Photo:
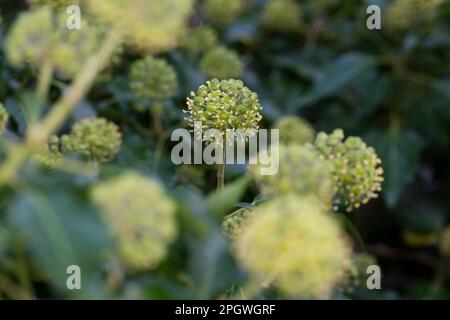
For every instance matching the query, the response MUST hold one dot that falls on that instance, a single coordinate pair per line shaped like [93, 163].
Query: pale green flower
[153, 78]
[221, 63]
[295, 246]
[98, 138]
[141, 217]
[294, 130]
[150, 25]
[355, 167]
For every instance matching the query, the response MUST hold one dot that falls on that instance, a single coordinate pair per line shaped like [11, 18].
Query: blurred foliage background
[310, 58]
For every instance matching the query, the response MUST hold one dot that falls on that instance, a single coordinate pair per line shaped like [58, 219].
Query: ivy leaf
[399, 151]
[222, 201]
[348, 225]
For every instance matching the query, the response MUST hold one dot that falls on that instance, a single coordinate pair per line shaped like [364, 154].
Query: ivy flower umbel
[65, 50]
[301, 172]
[295, 246]
[282, 15]
[235, 223]
[50, 155]
[355, 168]
[153, 78]
[200, 39]
[223, 11]
[404, 14]
[98, 138]
[141, 217]
[4, 116]
[150, 25]
[223, 105]
[221, 63]
[30, 37]
[294, 130]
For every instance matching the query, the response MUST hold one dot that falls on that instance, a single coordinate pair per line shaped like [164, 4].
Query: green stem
[45, 78]
[221, 171]
[82, 83]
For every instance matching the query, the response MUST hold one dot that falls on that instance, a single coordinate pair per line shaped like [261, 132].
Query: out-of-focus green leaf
[221, 201]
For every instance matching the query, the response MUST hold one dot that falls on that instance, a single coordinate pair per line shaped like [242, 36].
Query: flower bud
[98, 138]
[153, 78]
[294, 130]
[223, 11]
[282, 15]
[221, 63]
[200, 39]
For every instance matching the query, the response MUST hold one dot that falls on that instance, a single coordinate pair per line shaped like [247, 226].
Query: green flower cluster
[404, 14]
[200, 39]
[28, 43]
[301, 172]
[98, 138]
[66, 50]
[221, 63]
[234, 223]
[150, 25]
[355, 168]
[4, 116]
[141, 217]
[295, 246]
[224, 105]
[50, 155]
[282, 15]
[223, 11]
[444, 242]
[153, 78]
[294, 130]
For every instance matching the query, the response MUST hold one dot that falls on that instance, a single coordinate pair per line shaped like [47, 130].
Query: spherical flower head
[301, 172]
[355, 167]
[50, 155]
[224, 105]
[404, 14]
[151, 25]
[444, 242]
[30, 37]
[141, 217]
[296, 246]
[222, 12]
[98, 138]
[235, 223]
[200, 39]
[73, 47]
[294, 130]
[153, 78]
[221, 63]
[4, 116]
[282, 15]
[66, 50]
